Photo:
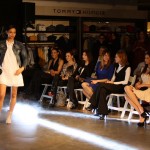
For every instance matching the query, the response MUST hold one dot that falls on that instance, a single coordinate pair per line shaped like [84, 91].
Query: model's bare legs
[13, 99]
[131, 97]
[87, 90]
[2, 95]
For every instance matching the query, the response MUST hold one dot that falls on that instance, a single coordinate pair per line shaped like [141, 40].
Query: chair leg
[43, 93]
[76, 94]
[118, 102]
[86, 104]
[81, 94]
[131, 113]
[124, 110]
[109, 101]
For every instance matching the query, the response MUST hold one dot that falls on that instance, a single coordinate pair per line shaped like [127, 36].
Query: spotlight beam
[95, 140]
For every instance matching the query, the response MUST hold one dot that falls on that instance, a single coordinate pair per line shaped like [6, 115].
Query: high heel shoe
[102, 117]
[142, 124]
[8, 120]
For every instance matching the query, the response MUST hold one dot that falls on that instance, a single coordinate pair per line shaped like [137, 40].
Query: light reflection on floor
[30, 115]
[93, 139]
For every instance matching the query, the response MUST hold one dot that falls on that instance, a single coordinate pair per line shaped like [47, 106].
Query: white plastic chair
[59, 88]
[81, 100]
[118, 96]
[46, 95]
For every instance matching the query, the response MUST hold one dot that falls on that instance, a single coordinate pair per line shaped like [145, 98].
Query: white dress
[9, 67]
[143, 95]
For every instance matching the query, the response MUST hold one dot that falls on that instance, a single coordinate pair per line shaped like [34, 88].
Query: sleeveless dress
[55, 65]
[143, 95]
[9, 67]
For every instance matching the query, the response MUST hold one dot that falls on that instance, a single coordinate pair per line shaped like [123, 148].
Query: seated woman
[104, 72]
[140, 91]
[116, 85]
[83, 71]
[66, 72]
[41, 77]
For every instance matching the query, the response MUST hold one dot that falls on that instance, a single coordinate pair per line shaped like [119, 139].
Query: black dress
[83, 72]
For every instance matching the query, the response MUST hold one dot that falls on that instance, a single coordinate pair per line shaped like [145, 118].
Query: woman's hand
[19, 71]
[77, 77]
[139, 86]
[111, 82]
[81, 79]
[94, 81]
[64, 78]
[52, 72]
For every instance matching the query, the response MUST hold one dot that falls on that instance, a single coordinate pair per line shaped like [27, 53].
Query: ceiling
[124, 2]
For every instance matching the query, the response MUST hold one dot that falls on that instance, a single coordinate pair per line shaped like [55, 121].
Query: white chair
[118, 96]
[133, 111]
[46, 95]
[81, 100]
[59, 88]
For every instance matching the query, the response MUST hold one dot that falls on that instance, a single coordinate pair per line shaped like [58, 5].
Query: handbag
[61, 99]
[146, 107]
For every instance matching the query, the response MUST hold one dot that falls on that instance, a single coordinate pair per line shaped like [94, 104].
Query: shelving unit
[68, 24]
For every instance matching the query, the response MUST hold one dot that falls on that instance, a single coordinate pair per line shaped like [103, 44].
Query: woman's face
[69, 57]
[106, 57]
[117, 59]
[54, 54]
[11, 33]
[147, 59]
[84, 56]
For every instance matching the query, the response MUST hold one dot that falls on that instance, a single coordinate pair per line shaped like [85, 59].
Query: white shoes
[69, 105]
[8, 120]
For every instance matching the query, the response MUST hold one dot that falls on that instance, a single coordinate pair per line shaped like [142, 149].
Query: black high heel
[102, 117]
[142, 124]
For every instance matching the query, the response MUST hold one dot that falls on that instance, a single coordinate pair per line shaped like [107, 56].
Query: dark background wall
[10, 13]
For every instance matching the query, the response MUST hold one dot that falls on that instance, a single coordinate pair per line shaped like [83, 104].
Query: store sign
[75, 12]
[78, 12]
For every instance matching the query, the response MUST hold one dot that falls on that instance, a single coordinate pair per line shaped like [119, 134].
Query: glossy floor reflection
[36, 128]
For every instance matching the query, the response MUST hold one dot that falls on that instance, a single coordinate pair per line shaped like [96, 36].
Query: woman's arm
[49, 64]
[98, 81]
[23, 56]
[143, 85]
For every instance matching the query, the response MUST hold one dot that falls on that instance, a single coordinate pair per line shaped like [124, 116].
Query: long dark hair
[146, 65]
[89, 55]
[58, 50]
[10, 27]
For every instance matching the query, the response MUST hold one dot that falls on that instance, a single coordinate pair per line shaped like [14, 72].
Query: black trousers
[38, 78]
[73, 84]
[98, 99]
